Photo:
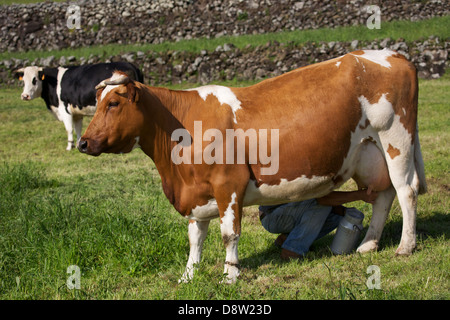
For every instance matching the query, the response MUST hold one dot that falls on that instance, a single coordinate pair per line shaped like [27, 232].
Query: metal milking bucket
[348, 232]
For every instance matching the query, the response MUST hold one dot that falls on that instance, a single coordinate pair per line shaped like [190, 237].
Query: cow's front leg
[230, 226]
[197, 231]
[67, 119]
[78, 124]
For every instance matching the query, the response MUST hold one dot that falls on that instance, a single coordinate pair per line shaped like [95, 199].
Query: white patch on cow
[63, 113]
[107, 90]
[338, 63]
[60, 75]
[228, 218]
[231, 240]
[390, 130]
[224, 94]
[298, 189]
[55, 112]
[205, 212]
[404, 111]
[380, 114]
[376, 56]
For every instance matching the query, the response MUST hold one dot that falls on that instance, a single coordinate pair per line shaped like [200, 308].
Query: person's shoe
[281, 239]
[288, 255]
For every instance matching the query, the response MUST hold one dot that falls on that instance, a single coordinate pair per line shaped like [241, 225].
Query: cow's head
[32, 78]
[118, 121]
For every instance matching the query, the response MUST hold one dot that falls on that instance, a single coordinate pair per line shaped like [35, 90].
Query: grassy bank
[108, 216]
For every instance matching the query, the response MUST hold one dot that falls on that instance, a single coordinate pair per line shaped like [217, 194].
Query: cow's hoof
[369, 246]
[228, 280]
[186, 277]
[183, 280]
[231, 273]
[401, 251]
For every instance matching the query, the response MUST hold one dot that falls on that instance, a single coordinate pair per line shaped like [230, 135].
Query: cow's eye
[34, 81]
[113, 104]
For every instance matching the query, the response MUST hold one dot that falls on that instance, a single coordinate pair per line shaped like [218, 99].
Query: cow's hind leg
[371, 172]
[395, 133]
[197, 234]
[405, 180]
[403, 174]
[380, 211]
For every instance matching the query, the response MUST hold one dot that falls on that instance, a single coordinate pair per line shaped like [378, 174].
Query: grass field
[108, 216]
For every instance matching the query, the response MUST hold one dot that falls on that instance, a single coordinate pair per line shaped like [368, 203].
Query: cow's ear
[98, 94]
[18, 74]
[132, 90]
[41, 75]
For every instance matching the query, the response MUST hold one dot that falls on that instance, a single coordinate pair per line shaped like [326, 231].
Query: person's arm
[337, 198]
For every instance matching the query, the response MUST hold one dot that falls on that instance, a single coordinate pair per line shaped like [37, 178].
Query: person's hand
[369, 195]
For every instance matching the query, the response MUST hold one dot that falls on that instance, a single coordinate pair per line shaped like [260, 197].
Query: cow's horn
[116, 79]
[120, 80]
[100, 85]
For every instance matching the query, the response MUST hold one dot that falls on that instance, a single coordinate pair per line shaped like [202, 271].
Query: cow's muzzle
[83, 146]
[89, 147]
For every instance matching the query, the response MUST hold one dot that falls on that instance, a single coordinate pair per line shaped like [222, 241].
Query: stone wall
[44, 25]
[228, 62]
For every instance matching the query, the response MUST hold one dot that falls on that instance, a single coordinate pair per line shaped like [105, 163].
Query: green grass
[409, 31]
[108, 216]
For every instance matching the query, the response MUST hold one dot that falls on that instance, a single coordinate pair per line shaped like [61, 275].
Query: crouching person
[302, 223]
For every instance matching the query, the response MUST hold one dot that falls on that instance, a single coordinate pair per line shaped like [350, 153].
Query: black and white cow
[69, 92]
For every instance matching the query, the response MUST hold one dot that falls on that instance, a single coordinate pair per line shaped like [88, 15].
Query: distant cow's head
[118, 120]
[32, 78]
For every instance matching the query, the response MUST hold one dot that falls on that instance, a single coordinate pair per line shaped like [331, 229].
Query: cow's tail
[418, 159]
[420, 167]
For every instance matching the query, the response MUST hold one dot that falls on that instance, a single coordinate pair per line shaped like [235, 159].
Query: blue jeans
[304, 221]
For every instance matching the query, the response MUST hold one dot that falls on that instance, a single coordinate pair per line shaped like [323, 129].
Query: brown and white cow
[350, 117]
